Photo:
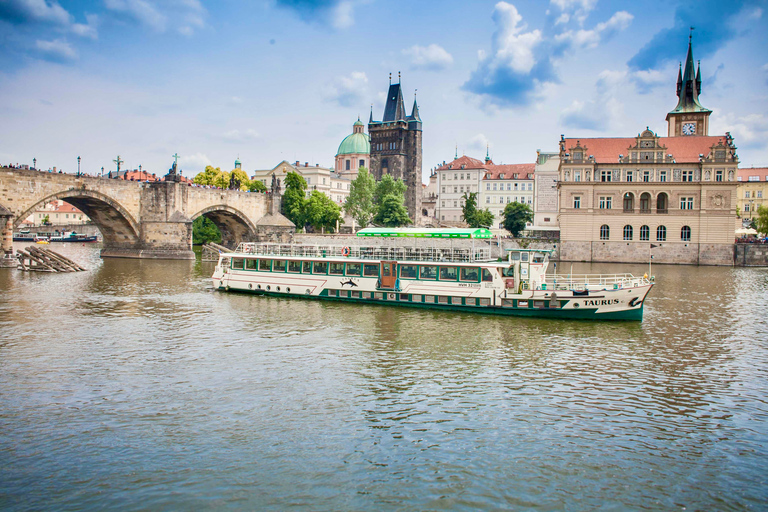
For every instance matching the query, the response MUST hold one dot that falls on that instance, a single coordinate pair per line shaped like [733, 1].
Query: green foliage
[240, 176]
[516, 215]
[294, 199]
[321, 212]
[204, 231]
[391, 212]
[472, 216]
[208, 176]
[257, 186]
[389, 186]
[761, 221]
[359, 204]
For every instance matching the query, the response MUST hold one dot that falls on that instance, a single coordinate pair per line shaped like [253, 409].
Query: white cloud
[605, 111]
[56, 50]
[591, 38]
[241, 136]
[194, 163]
[186, 15]
[139, 10]
[646, 81]
[748, 131]
[87, 29]
[477, 145]
[349, 90]
[514, 48]
[40, 11]
[432, 57]
[576, 9]
[341, 15]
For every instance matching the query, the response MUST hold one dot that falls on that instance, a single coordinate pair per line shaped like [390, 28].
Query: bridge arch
[234, 225]
[117, 225]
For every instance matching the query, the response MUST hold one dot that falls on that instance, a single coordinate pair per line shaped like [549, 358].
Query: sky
[272, 80]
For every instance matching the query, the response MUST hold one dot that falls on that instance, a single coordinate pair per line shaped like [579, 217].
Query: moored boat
[463, 279]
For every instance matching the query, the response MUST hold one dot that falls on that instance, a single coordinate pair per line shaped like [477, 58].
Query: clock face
[689, 128]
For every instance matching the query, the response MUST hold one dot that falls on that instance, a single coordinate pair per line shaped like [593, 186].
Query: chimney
[297, 163]
[306, 164]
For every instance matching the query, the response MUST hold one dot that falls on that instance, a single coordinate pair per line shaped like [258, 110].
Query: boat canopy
[428, 233]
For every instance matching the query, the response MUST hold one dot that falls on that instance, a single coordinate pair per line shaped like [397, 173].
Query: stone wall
[639, 252]
[750, 255]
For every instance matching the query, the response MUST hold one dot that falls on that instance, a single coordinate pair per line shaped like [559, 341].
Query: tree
[208, 177]
[389, 186]
[294, 199]
[321, 212]
[239, 177]
[761, 221]
[391, 212]
[257, 186]
[204, 231]
[472, 216]
[359, 204]
[516, 215]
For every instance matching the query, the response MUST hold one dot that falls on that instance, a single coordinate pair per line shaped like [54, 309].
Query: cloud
[186, 15]
[576, 9]
[194, 163]
[647, 80]
[139, 10]
[478, 145]
[87, 29]
[712, 30]
[602, 112]
[57, 50]
[749, 131]
[431, 58]
[337, 13]
[241, 136]
[517, 65]
[348, 91]
[591, 38]
[21, 12]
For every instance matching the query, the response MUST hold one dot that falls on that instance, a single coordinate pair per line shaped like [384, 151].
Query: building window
[443, 204]
[719, 175]
[361, 163]
[627, 232]
[605, 202]
[605, 175]
[455, 204]
[746, 194]
[348, 164]
[629, 176]
[661, 203]
[629, 202]
[576, 175]
[456, 176]
[385, 163]
[661, 234]
[759, 194]
[494, 186]
[487, 186]
[645, 203]
[645, 233]
[646, 176]
[443, 189]
[685, 234]
[662, 175]
[487, 199]
[686, 203]
[530, 186]
[688, 175]
[455, 189]
[605, 232]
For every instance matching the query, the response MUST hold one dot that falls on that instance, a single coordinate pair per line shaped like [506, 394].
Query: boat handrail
[366, 252]
[594, 281]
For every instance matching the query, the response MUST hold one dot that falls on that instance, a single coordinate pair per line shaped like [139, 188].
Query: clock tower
[689, 118]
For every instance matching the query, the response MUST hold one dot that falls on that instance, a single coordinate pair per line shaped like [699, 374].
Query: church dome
[356, 143]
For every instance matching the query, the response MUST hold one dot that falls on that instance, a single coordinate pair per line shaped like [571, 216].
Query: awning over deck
[427, 233]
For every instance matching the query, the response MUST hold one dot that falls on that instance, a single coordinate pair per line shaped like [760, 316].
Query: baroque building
[354, 152]
[674, 197]
[752, 192]
[395, 143]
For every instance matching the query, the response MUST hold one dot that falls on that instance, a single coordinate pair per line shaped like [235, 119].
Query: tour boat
[454, 278]
[71, 236]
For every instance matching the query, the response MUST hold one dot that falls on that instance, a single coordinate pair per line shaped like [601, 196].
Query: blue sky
[285, 79]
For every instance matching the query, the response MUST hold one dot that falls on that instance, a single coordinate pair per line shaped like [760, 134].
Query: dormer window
[578, 155]
[501, 176]
[515, 175]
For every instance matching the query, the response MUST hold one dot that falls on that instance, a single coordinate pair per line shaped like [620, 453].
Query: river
[136, 386]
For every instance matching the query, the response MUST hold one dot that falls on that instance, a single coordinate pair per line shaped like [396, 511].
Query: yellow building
[623, 199]
[752, 191]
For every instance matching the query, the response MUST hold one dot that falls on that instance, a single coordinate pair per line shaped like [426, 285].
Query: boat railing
[594, 281]
[451, 254]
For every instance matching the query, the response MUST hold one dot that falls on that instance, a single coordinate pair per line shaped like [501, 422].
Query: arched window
[661, 203]
[627, 232]
[645, 203]
[629, 202]
[661, 234]
[605, 232]
[645, 233]
[685, 234]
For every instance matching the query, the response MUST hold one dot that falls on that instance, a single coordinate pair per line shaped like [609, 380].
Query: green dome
[357, 143]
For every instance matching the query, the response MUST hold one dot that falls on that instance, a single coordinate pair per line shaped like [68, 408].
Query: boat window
[371, 270]
[265, 265]
[408, 272]
[443, 299]
[237, 263]
[320, 267]
[523, 256]
[251, 264]
[469, 274]
[470, 301]
[538, 257]
[278, 266]
[306, 267]
[448, 273]
[386, 270]
[294, 266]
[487, 276]
[225, 262]
[428, 272]
[336, 269]
[353, 269]
[508, 271]
[515, 256]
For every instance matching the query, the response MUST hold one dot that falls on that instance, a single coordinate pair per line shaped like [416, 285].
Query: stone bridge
[136, 219]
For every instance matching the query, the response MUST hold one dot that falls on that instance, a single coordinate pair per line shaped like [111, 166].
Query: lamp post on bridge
[78, 167]
[34, 163]
[102, 171]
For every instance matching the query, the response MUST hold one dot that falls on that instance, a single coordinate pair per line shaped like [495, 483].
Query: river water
[136, 386]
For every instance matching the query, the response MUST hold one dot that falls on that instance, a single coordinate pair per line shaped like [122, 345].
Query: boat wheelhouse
[461, 277]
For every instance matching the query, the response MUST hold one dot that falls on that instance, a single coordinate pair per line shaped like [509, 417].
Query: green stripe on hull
[569, 314]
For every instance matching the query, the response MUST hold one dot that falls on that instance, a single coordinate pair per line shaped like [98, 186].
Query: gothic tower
[689, 118]
[396, 147]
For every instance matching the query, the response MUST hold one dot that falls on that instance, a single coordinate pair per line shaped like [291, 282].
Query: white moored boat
[462, 279]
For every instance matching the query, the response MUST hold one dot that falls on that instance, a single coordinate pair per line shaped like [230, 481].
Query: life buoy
[345, 252]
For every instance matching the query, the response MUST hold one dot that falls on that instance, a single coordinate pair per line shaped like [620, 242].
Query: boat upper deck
[369, 252]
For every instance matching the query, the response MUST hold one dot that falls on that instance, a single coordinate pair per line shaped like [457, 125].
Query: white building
[319, 178]
[504, 184]
[545, 191]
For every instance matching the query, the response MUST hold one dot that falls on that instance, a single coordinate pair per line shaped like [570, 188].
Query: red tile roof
[683, 149]
[466, 161]
[523, 171]
[141, 176]
[760, 172]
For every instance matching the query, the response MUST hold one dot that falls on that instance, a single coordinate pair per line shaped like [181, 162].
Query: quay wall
[750, 255]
